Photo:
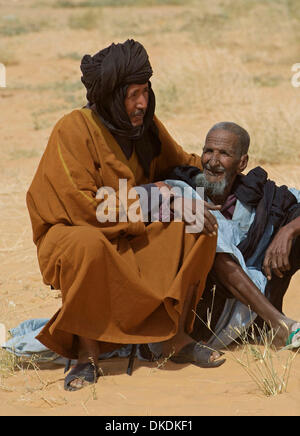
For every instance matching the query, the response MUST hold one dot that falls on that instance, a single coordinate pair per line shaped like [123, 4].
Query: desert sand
[212, 62]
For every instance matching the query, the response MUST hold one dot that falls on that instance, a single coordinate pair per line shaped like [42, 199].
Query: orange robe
[121, 282]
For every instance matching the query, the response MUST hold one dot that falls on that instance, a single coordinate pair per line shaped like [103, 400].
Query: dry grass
[268, 368]
[88, 20]
[252, 348]
[8, 363]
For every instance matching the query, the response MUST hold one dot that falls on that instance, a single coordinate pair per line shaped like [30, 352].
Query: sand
[42, 85]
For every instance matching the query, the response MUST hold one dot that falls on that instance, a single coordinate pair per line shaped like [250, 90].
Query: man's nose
[214, 160]
[142, 102]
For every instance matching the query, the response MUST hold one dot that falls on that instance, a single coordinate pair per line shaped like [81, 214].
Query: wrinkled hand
[210, 222]
[189, 209]
[162, 185]
[278, 253]
[190, 214]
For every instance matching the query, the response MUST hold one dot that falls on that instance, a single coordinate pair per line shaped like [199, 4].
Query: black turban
[106, 76]
[113, 67]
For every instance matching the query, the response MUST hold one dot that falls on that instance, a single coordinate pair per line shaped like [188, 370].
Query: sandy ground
[41, 67]
[152, 390]
[170, 390]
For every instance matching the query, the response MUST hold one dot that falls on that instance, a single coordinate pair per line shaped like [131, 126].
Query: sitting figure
[258, 249]
[123, 281]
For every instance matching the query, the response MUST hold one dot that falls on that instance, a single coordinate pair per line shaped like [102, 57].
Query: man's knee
[88, 242]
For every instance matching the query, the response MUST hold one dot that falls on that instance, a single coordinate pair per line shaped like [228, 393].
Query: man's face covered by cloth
[136, 103]
[117, 82]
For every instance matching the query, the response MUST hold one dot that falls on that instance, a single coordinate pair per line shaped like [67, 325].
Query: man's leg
[88, 352]
[182, 339]
[242, 288]
[215, 301]
[210, 308]
[92, 273]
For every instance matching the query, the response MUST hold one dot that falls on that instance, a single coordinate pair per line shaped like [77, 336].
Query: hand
[208, 222]
[277, 255]
[162, 184]
[189, 209]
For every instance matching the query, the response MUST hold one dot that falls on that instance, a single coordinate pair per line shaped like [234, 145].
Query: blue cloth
[24, 344]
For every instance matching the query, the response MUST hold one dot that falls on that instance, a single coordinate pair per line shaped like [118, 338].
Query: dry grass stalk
[162, 362]
[258, 357]
[262, 363]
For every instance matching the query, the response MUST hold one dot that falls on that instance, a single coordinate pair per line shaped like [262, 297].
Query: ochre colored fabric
[123, 282]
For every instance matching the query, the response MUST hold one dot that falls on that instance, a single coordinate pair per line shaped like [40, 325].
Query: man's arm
[278, 252]
[68, 186]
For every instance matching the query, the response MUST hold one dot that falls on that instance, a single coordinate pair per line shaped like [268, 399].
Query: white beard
[212, 189]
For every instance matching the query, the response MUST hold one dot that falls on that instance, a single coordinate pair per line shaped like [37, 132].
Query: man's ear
[243, 163]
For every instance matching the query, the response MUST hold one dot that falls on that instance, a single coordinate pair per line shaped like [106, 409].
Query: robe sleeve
[66, 185]
[172, 154]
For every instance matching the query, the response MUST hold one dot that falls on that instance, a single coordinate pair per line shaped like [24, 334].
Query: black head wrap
[106, 76]
[113, 67]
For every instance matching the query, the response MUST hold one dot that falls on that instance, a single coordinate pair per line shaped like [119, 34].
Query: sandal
[85, 371]
[290, 344]
[197, 354]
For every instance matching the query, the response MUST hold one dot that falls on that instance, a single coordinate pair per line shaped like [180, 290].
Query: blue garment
[24, 344]
[236, 316]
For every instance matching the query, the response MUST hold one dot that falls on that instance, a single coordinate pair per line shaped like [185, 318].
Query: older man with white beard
[258, 247]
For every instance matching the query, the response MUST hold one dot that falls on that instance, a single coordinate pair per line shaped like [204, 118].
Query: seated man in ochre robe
[122, 281]
[258, 247]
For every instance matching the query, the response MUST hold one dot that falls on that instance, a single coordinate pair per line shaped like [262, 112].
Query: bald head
[243, 138]
[224, 157]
